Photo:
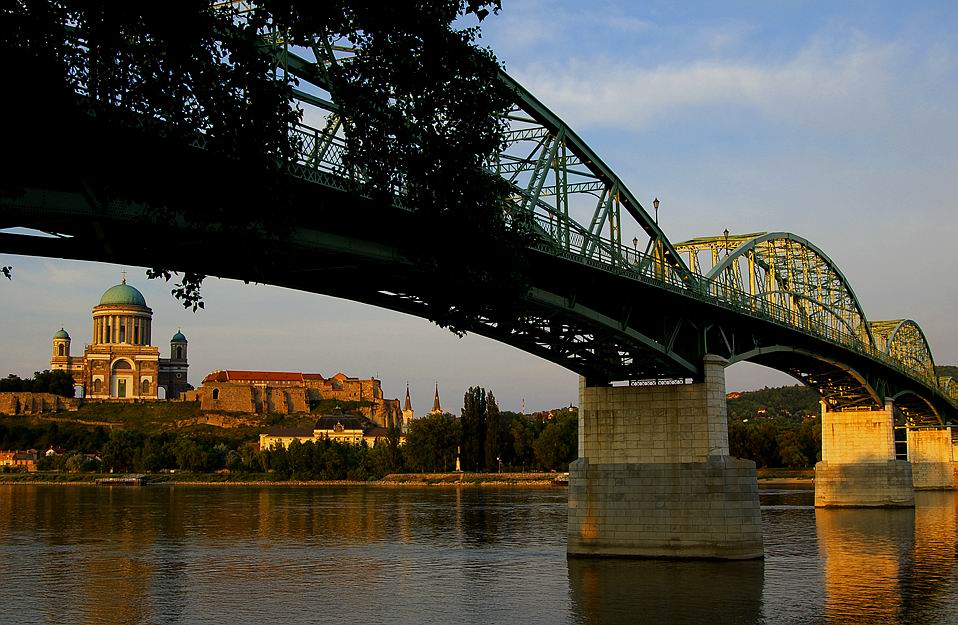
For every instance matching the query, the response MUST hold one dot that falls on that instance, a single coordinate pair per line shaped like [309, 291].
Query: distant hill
[951, 370]
[790, 402]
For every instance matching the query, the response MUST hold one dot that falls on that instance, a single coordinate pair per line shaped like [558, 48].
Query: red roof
[313, 376]
[253, 376]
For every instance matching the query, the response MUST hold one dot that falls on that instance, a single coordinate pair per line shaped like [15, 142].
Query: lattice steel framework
[904, 341]
[781, 275]
[580, 210]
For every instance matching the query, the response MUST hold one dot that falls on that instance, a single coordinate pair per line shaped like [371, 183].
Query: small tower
[407, 412]
[61, 348]
[178, 345]
[173, 372]
[436, 407]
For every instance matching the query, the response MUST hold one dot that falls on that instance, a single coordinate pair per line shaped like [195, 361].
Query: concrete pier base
[865, 485]
[665, 510]
[655, 480]
[931, 453]
[858, 467]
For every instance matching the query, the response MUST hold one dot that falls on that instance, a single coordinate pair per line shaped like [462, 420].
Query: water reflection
[863, 551]
[610, 592]
[891, 565]
[437, 555]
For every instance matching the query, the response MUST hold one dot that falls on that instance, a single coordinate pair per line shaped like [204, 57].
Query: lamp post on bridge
[726, 241]
[655, 205]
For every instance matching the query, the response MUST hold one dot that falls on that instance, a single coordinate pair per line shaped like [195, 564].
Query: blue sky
[835, 121]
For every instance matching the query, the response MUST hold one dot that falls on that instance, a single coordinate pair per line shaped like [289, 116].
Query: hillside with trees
[776, 427]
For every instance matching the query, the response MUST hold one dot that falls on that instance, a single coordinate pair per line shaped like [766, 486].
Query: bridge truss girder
[601, 308]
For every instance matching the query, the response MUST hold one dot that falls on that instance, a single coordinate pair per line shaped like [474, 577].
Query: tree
[189, 456]
[120, 449]
[57, 382]
[13, 383]
[492, 433]
[548, 447]
[473, 429]
[431, 443]
[421, 102]
[523, 436]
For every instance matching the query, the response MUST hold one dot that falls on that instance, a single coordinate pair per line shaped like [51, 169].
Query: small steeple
[436, 408]
[122, 277]
[408, 405]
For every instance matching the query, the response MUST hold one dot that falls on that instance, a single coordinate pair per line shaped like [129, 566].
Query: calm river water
[84, 554]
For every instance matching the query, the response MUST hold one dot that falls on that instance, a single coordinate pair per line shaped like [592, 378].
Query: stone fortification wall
[345, 389]
[250, 398]
[25, 403]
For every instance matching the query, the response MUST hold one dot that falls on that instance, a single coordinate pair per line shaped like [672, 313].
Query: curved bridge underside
[649, 311]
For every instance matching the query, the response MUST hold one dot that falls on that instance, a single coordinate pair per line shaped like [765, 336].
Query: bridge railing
[320, 158]
[650, 269]
[323, 151]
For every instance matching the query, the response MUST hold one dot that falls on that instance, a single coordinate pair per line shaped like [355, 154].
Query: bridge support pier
[858, 467]
[654, 478]
[932, 456]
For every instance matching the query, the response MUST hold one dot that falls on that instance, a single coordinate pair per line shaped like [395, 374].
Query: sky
[835, 121]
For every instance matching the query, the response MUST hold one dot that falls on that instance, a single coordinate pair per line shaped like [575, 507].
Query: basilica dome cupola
[122, 317]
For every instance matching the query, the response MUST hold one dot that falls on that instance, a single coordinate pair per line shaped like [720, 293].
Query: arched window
[145, 387]
[122, 364]
[60, 349]
[179, 352]
[97, 385]
[216, 393]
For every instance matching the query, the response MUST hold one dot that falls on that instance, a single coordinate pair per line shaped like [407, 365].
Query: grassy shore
[267, 479]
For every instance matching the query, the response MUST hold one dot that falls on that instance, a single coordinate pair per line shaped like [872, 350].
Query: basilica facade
[120, 363]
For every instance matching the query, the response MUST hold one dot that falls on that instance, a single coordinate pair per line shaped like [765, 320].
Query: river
[162, 554]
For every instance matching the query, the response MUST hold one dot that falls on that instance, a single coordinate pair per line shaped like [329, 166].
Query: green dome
[178, 338]
[62, 334]
[122, 295]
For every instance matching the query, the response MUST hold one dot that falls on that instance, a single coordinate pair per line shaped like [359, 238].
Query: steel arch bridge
[648, 312]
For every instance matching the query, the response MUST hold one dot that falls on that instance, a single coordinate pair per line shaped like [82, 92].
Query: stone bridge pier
[933, 461]
[654, 477]
[858, 467]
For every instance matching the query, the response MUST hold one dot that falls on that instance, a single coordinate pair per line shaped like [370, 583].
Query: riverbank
[765, 476]
[785, 477]
[537, 480]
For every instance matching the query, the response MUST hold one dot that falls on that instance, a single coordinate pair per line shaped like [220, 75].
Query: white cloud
[845, 83]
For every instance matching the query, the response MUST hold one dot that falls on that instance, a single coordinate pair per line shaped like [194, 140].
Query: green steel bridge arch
[597, 306]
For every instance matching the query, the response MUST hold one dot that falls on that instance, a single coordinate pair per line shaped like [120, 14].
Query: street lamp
[726, 241]
[655, 205]
[635, 243]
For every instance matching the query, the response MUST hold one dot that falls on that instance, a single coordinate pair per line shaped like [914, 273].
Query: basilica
[120, 363]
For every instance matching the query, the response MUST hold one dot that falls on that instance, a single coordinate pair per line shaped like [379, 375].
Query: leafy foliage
[420, 101]
[431, 443]
[777, 442]
[46, 381]
[793, 402]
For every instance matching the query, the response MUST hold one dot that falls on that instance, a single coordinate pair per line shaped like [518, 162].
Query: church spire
[436, 408]
[408, 405]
